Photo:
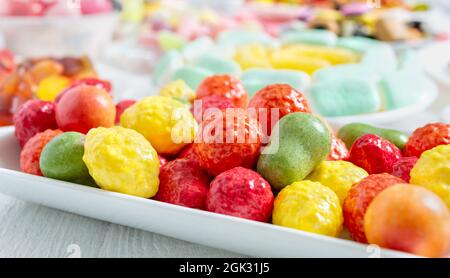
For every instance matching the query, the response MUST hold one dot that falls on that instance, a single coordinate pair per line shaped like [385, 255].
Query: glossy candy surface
[374, 154]
[33, 117]
[409, 218]
[85, 107]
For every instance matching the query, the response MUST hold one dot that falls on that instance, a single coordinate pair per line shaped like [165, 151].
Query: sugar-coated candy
[374, 154]
[226, 86]
[308, 206]
[339, 176]
[31, 152]
[166, 123]
[222, 144]
[242, 193]
[359, 198]
[433, 172]
[62, 158]
[122, 160]
[426, 138]
[343, 97]
[184, 183]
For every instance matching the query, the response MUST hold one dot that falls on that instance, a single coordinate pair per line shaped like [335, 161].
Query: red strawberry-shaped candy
[338, 149]
[374, 154]
[31, 152]
[358, 200]
[226, 86]
[184, 183]
[32, 117]
[188, 153]
[226, 140]
[162, 161]
[242, 193]
[403, 167]
[121, 106]
[426, 138]
[277, 96]
[200, 107]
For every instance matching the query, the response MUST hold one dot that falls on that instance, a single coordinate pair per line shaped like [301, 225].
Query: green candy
[350, 132]
[402, 88]
[166, 66]
[299, 142]
[237, 38]
[192, 75]
[357, 44]
[62, 159]
[346, 71]
[219, 65]
[345, 96]
[381, 59]
[317, 37]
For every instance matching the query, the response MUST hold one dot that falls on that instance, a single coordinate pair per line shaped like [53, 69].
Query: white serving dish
[215, 230]
[385, 117]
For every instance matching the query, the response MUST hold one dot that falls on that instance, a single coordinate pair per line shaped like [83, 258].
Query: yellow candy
[308, 206]
[334, 56]
[165, 122]
[178, 90]
[432, 171]
[51, 86]
[252, 56]
[339, 176]
[122, 160]
[284, 60]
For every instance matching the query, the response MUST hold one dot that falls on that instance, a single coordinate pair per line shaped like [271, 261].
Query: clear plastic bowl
[58, 36]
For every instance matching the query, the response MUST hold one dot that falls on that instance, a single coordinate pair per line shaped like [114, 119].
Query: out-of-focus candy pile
[43, 78]
[265, 158]
[344, 76]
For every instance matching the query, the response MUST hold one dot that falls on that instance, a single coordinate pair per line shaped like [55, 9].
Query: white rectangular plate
[215, 230]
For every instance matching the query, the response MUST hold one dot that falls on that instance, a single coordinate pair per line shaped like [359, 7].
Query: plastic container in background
[58, 36]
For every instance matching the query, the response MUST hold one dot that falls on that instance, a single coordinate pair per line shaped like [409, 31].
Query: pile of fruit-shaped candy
[264, 159]
[43, 78]
[54, 7]
[344, 76]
